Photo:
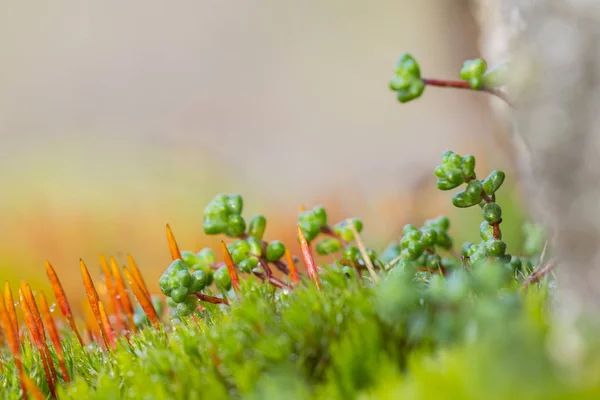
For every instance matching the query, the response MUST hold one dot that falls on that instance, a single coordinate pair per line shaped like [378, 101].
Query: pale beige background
[116, 117]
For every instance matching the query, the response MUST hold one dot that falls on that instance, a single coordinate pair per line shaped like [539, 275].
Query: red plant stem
[280, 265]
[495, 225]
[266, 267]
[465, 85]
[272, 280]
[211, 299]
[538, 274]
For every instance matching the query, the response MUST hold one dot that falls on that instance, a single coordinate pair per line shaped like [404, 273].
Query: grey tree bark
[554, 46]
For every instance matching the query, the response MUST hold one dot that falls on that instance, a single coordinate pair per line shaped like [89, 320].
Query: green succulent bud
[454, 161]
[222, 278]
[275, 250]
[414, 250]
[183, 278]
[255, 247]
[186, 307]
[479, 255]
[248, 265]
[179, 294]
[416, 88]
[217, 207]
[473, 69]
[472, 249]
[408, 228]
[239, 250]
[320, 215]
[414, 91]
[257, 226]
[468, 166]
[399, 82]
[470, 196]
[440, 172]
[492, 213]
[342, 229]
[236, 226]
[446, 156]
[428, 237]
[486, 231]
[351, 253]
[328, 246]
[445, 184]
[189, 257]
[413, 236]
[214, 226]
[474, 190]
[476, 83]
[209, 274]
[493, 182]
[462, 200]
[200, 280]
[311, 222]
[464, 250]
[455, 176]
[407, 65]
[443, 240]
[205, 257]
[495, 247]
[235, 204]
[165, 285]
[177, 265]
[441, 222]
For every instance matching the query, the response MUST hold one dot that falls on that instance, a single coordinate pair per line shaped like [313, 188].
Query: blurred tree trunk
[555, 49]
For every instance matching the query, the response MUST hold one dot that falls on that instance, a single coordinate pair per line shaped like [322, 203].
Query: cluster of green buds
[455, 171]
[473, 72]
[337, 238]
[250, 249]
[479, 76]
[186, 277]
[312, 222]
[418, 247]
[246, 253]
[407, 82]
[223, 216]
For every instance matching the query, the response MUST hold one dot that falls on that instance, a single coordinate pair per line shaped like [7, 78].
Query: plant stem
[538, 274]
[465, 85]
[495, 225]
[272, 280]
[211, 299]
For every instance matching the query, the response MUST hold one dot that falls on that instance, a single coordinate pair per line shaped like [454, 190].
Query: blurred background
[118, 117]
